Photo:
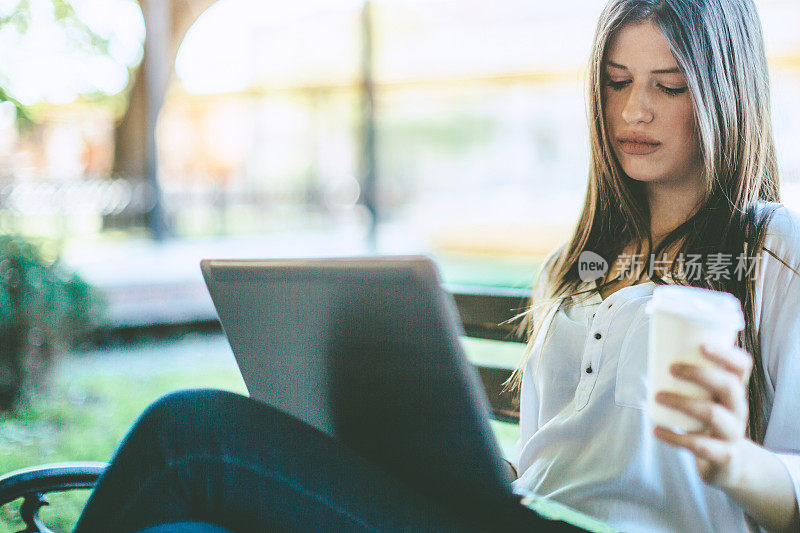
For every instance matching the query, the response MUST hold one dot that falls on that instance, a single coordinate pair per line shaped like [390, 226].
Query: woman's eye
[672, 91]
[617, 85]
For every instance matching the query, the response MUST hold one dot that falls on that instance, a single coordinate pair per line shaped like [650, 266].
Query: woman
[689, 78]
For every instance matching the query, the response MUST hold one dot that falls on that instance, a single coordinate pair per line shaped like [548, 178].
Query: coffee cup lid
[704, 305]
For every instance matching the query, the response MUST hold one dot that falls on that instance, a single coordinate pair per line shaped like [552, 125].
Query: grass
[94, 397]
[92, 401]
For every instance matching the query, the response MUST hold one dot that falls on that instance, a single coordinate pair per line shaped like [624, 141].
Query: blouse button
[597, 335]
[589, 369]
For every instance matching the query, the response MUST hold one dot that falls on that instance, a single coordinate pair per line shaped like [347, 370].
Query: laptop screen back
[366, 350]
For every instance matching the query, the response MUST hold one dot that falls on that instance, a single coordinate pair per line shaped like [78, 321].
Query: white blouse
[585, 438]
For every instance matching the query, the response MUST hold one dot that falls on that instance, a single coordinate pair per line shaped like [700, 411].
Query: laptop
[367, 349]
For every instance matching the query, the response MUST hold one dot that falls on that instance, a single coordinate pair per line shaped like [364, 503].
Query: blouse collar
[594, 295]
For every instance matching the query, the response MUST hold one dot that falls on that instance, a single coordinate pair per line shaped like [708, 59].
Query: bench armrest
[34, 483]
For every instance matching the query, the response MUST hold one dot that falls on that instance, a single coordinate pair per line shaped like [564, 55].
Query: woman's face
[654, 106]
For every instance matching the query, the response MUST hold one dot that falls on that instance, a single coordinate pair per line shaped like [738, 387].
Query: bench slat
[505, 406]
[484, 311]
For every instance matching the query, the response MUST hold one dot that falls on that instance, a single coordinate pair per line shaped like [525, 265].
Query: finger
[717, 420]
[708, 448]
[724, 387]
[733, 359]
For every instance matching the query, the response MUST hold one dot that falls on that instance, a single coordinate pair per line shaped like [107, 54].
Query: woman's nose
[637, 107]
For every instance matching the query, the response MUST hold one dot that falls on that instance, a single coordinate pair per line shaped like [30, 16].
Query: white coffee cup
[681, 319]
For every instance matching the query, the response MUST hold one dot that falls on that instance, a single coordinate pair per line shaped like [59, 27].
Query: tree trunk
[129, 145]
[11, 362]
[134, 156]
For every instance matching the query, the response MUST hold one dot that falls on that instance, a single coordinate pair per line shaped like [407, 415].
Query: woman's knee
[185, 527]
[191, 408]
[188, 401]
[205, 420]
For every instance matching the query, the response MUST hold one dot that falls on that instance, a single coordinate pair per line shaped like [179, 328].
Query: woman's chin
[643, 175]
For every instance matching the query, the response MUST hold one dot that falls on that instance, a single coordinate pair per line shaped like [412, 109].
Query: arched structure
[166, 24]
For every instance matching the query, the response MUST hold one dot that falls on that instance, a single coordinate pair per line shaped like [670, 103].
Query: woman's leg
[222, 458]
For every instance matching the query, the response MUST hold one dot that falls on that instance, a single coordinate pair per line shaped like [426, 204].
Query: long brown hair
[719, 47]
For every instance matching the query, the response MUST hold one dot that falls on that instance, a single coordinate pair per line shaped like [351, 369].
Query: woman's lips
[634, 148]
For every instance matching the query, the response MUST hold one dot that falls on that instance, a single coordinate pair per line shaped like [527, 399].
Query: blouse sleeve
[529, 398]
[780, 339]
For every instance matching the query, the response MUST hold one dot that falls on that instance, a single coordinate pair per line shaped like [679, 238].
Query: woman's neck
[671, 204]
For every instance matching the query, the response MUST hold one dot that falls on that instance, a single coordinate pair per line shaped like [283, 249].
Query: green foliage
[64, 13]
[43, 308]
[36, 291]
[19, 17]
[23, 117]
[83, 34]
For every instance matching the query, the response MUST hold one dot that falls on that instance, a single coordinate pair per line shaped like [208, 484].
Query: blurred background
[139, 137]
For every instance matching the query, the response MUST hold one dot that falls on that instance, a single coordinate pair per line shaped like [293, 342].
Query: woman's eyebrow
[673, 70]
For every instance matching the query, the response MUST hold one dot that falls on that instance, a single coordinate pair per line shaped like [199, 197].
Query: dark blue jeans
[221, 458]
